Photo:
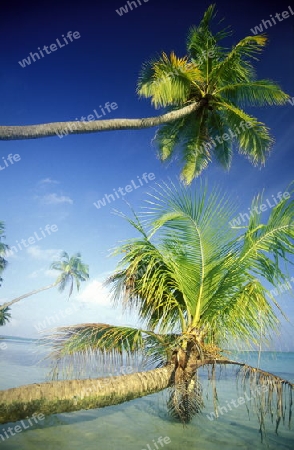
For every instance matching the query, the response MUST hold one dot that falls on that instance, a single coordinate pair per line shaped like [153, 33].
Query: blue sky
[55, 182]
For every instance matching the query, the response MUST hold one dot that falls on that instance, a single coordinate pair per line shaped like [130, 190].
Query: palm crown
[191, 271]
[222, 81]
[196, 283]
[73, 271]
[5, 316]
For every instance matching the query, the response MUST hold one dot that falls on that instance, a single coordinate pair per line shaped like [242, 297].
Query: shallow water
[138, 424]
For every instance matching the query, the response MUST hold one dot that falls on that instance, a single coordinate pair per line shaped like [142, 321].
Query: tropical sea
[139, 424]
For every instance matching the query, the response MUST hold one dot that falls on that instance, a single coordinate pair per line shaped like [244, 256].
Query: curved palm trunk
[15, 300]
[56, 128]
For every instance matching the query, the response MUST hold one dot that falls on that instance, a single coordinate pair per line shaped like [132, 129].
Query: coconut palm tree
[204, 94]
[3, 249]
[72, 271]
[221, 81]
[5, 316]
[198, 286]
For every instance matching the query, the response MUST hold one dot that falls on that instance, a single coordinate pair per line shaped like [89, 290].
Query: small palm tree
[5, 316]
[198, 287]
[73, 271]
[221, 81]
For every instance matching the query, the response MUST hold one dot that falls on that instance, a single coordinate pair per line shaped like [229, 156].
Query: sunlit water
[138, 424]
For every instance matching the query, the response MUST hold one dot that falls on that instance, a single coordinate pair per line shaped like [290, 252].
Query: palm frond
[266, 244]
[160, 347]
[168, 137]
[202, 44]
[5, 316]
[102, 345]
[222, 149]
[168, 80]
[254, 93]
[252, 137]
[101, 338]
[236, 65]
[196, 156]
[197, 224]
[272, 396]
[241, 311]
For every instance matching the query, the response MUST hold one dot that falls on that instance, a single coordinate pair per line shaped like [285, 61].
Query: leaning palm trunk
[36, 291]
[52, 129]
[74, 395]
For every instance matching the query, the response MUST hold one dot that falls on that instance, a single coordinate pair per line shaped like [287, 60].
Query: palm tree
[204, 93]
[3, 249]
[198, 287]
[223, 81]
[72, 271]
[5, 316]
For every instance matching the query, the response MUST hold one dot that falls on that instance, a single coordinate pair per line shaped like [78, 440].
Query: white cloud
[48, 181]
[55, 199]
[49, 254]
[95, 293]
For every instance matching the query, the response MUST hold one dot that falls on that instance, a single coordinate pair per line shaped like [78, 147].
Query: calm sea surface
[138, 424]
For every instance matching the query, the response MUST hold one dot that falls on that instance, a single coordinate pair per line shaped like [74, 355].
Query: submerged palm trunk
[64, 128]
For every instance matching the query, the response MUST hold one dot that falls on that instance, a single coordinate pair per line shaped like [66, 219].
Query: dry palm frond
[272, 396]
[185, 400]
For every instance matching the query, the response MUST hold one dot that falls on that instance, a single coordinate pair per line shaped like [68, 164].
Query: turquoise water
[138, 424]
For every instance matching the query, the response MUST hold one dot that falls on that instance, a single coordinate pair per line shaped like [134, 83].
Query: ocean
[142, 424]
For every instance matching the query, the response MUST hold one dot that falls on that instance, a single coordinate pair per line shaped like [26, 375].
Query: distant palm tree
[4, 316]
[198, 287]
[204, 94]
[3, 249]
[73, 271]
